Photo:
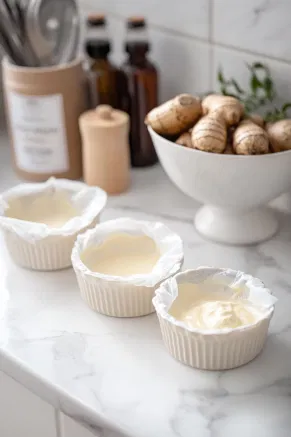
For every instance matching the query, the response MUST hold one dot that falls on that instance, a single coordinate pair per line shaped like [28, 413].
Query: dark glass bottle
[104, 77]
[141, 92]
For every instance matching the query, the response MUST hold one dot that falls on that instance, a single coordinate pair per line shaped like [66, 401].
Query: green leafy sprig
[261, 92]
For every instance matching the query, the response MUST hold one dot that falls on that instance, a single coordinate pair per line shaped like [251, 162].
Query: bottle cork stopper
[104, 112]
[96, 16]
[136, 22]
[136, 19]
[96, 20]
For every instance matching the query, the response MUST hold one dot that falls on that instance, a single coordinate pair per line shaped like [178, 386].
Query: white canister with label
[43, 106]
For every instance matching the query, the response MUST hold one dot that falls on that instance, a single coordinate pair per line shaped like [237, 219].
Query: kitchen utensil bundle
[39, 33]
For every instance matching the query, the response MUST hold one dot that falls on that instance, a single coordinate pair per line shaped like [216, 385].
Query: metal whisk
[36, 33]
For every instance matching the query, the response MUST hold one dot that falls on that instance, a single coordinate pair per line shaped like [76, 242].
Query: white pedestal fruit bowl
[233, 189]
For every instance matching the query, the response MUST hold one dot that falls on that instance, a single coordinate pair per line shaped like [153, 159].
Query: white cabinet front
[22, 413]
[70, 428]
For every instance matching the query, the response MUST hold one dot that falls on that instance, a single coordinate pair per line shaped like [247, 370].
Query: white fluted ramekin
[225, 349]
[129, 296]
[50, 253]
[36, 246]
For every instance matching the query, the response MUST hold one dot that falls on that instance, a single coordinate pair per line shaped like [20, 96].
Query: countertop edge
[58, 398]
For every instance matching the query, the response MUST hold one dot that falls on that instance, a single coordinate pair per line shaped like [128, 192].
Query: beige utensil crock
[106, 161]
[43, 106]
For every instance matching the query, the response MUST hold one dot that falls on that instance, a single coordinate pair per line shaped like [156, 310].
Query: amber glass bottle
[104, 77]
[141, 91]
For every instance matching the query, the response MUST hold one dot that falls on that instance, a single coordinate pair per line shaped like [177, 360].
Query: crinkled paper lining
[239, 285]
[169, 243]
[89, 200]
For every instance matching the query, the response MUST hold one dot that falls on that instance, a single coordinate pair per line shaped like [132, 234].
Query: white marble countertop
[114, 375]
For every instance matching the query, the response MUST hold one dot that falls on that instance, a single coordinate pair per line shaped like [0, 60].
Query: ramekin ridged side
[47, 254]
[217, 351]
[115, 299]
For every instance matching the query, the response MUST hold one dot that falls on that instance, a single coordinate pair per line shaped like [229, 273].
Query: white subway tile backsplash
[188, 65]
[191, 38]
[91, 6]
[233, 64]
[184, 64]
[188, 17]
[260, 26]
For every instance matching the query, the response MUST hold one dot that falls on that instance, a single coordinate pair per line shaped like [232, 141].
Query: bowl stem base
[236, 227]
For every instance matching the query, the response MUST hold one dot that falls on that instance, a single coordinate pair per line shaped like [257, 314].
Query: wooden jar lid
[104, 116]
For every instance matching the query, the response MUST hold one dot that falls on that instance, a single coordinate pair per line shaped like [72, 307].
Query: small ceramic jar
[106, 161]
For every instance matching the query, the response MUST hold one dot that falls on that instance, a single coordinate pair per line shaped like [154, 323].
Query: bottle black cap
[97, 48]
[142, 46]
[136, 22]
[96, 20]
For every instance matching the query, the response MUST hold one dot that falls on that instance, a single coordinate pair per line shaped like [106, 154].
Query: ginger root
[210, 134]
[250, 139]
[185, 140]
[228, 108]
[229, 149]
[175, 116]
[280, 135]
[257, 119]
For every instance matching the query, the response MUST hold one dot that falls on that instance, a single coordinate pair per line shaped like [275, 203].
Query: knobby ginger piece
[250, 139]
[229, 150]
[257, 119]
[226, 107]
[280, 135]
[185, 140]
[210, 134]
[175, 116]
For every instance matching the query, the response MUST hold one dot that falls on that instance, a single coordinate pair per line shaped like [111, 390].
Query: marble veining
[114, 376]
[259, 26]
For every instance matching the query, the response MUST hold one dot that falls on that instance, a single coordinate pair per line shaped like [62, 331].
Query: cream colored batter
[52, 210]
[122, 255]
[204, 311]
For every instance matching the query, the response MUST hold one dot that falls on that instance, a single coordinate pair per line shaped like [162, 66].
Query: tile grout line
[211, 48]
[249, 52]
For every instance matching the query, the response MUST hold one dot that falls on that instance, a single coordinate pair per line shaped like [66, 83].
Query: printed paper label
[38, 129]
